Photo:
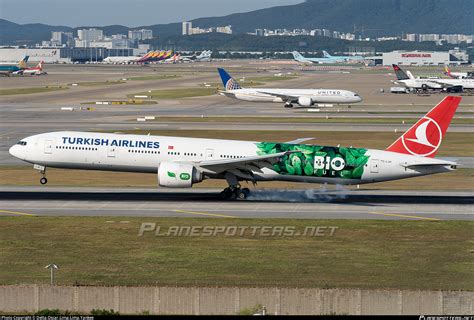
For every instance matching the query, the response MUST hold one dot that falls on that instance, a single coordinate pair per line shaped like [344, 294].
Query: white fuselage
[464, 83]
[143, 153]
[420, 84]
[118, 60]
[335, 96]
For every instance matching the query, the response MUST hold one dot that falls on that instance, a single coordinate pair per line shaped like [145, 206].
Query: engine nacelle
[305, 101]
[178, 175]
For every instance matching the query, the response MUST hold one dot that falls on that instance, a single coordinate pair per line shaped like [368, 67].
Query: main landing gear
[235, 193]
[234, 190]
[288, 105]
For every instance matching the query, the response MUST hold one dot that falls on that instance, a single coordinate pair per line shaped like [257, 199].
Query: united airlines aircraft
[302, 97]
[181, 162]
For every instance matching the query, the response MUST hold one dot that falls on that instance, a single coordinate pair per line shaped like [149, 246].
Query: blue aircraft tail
[228, 82]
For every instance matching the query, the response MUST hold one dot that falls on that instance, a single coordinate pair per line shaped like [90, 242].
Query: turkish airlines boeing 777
[181, 162]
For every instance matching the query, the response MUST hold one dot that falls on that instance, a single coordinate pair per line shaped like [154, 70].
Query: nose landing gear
[42, 171]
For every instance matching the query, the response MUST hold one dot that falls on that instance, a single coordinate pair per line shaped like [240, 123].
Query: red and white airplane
[34, 71]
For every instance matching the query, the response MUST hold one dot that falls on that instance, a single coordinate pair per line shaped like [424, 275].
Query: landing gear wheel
[241, 194]
[43, 180]
[288, 105]
[227, 193]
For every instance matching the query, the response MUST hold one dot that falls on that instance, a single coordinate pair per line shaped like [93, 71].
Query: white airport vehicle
[301, 97]
[181, 162]
[399, 90]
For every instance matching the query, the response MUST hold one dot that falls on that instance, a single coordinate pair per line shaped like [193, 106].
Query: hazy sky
[125, 12]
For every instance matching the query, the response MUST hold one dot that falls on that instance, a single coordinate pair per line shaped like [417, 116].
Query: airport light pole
[52, 267]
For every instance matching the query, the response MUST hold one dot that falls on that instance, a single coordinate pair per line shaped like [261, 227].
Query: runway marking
[205, 214]
[403, 216]
[18, 213]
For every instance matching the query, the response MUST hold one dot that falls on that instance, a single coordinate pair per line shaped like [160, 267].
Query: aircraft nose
[13, 150]
[16, 151]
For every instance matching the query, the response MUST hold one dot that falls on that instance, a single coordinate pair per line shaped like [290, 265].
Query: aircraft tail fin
[410, 75]
[22, 62]
[297, 56]
[228, 82]
[447, 72]
[424, 137]
[326, 54]
[401, 75]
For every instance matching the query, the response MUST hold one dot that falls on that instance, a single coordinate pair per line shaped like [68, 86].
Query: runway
[299, 204]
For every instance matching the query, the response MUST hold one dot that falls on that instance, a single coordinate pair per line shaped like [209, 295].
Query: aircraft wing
[242, 167]
[226, 93]
[299, 140]
[284, 97]
[446, 85]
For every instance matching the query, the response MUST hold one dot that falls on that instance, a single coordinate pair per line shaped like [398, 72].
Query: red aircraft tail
[424, 137]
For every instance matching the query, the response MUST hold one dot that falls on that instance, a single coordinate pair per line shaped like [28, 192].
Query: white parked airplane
[409, 81]
[181, 162]
[302, 97]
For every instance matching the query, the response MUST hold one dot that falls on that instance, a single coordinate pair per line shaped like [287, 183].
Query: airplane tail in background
[424, 137]
[204, 55]
[22, 62]
[40, 65]
[326, 54]
[228, 82]
[410, 75]
[447, 72]
[297, 56]
[401, 75]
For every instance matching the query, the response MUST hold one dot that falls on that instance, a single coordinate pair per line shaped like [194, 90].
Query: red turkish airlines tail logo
[424, 137]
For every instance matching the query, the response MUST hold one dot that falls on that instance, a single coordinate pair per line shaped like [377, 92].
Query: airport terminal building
[61, 55]
[421, 58]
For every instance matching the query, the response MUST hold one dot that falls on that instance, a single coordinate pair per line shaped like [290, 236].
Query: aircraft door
[374, 166]
[48, 146]
[111, 151]
[209, 154]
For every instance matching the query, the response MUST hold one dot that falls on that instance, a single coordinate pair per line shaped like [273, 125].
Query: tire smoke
[308, 195]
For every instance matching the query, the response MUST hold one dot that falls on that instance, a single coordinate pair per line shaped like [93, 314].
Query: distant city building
[90, 34]
[59, 38]
[187, 26]
[428, 37]
[118, 36]
[111, 44]
[411, 37]
[142, 34]
[226, 29]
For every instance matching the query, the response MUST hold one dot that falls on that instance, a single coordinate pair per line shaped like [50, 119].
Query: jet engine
[305, 101]
[178, 175]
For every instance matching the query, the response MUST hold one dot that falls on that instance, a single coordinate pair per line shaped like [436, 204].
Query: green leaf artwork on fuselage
[319, 161]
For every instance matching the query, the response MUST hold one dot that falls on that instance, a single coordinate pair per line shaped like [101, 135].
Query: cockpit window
[22, 143]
